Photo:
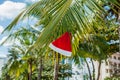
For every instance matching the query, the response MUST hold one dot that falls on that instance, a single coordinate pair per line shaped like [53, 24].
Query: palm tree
[90, 47]
[26, 38]
[5, 75]
[20, 54]
[60, 16]
[14, 62]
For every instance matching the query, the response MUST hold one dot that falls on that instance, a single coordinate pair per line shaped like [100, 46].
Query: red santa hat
[62, 45]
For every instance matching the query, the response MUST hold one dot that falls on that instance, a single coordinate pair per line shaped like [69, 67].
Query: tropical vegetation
[92, 24]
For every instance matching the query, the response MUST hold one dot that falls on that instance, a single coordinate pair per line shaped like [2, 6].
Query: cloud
[31, 0]
[1, 29]
[3, 55]
[9, 9]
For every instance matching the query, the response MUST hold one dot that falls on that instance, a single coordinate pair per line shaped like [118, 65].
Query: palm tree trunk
[93, 69]
[56, 67]
[28, 76]
[30, 68]
[119, 28]
[99, 67]
[40, 69]
[88, 69]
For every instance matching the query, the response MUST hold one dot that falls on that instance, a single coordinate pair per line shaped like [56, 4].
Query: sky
[8, 10]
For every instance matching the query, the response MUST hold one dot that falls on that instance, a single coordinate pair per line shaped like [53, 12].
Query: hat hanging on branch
[62, 45]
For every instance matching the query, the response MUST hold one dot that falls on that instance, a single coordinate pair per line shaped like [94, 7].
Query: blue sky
[8, 10]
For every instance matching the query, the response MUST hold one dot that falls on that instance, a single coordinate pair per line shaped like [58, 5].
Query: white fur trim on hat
[61, 51]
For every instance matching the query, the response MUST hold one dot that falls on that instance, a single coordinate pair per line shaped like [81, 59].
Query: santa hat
[62, 45]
